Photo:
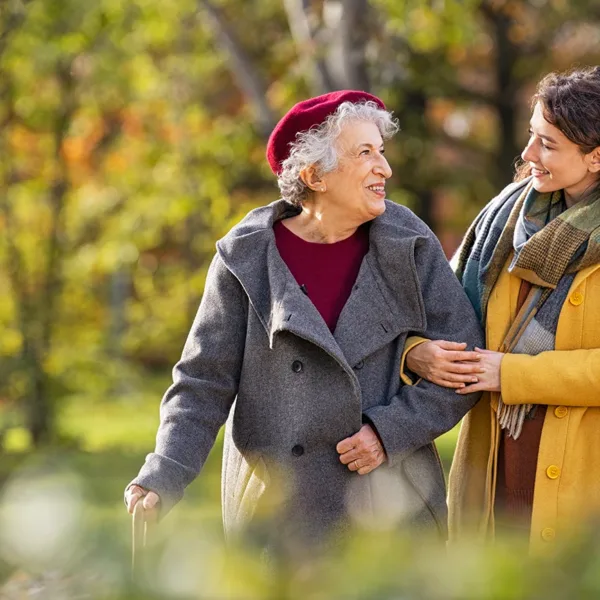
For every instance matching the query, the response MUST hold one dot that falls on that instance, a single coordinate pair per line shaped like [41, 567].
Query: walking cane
[138, 538]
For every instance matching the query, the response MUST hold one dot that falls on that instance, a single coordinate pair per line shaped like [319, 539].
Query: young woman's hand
[446, 364]
[489, 378]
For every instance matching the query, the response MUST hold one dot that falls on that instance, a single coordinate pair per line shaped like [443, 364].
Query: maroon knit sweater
[325, 272]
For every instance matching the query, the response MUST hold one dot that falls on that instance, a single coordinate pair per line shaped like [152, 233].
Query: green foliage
[74, 501]
[132, 137]
[130, 142]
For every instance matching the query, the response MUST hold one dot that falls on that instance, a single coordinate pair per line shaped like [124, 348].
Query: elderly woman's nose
[383, 167]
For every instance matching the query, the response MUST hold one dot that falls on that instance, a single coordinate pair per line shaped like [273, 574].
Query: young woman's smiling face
[556, 162]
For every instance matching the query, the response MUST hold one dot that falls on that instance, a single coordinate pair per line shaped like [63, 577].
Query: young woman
[528, 455]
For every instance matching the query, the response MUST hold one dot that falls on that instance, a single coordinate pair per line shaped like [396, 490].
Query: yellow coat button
[548, 534]
[576, 298]
[553, 472]
[561, 411]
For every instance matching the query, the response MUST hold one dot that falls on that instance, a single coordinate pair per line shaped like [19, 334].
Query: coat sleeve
[205, 383]
[557, 377]
[411, 342]
[419, 413]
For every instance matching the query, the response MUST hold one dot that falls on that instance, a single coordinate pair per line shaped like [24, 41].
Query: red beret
[305, 115]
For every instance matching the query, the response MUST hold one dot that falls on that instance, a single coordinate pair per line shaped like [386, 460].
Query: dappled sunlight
[54, 542]
[132, 138]
[391, 501]
[41, 517]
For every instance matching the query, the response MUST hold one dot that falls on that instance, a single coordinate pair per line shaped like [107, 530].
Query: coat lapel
[386, 298]
[367, 321]
[252, 256]
[298, 315]
[385, 301]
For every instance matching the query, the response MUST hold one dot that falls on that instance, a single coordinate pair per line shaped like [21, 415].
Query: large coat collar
[385, 300]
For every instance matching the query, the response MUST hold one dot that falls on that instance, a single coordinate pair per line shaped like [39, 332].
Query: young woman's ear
[594, 160]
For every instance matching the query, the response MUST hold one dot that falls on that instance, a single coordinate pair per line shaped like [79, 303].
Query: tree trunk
[348, 31]
[506, 104]
[354, 34]
[39, 413]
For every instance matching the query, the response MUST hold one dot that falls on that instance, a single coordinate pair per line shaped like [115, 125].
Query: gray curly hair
[317, 146]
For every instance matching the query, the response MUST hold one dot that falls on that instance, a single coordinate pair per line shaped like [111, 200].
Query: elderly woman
[299, 338]
[528, 457]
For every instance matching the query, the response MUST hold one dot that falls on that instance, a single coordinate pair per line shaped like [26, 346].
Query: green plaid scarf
[550, 243]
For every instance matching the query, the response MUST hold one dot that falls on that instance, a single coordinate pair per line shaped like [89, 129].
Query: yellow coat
[567, 483]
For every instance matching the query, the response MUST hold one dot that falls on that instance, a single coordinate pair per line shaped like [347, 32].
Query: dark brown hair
[571, 102]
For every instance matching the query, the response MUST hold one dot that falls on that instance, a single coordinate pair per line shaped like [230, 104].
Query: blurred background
[132, 137]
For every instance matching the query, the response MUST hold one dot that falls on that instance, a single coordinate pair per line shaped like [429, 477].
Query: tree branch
[11, 23]
[244, 71]
[303, 35]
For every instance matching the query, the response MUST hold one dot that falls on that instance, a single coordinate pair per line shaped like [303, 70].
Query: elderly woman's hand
[444, 363]
[362, 452]
[150, 503]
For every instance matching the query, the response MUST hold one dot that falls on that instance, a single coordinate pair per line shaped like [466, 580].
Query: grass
[106, 441]
[88, 543]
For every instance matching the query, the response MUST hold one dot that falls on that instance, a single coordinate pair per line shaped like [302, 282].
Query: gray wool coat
[260, 353]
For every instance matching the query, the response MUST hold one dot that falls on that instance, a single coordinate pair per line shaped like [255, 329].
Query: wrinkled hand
[150, 503]
[362, 452]
[489, 378]
[445, 363]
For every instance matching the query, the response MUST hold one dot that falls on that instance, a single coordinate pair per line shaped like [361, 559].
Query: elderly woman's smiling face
[358, 184]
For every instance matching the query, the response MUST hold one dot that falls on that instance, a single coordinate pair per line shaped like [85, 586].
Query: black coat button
[297, 450]
[359, 365]
[297, 366]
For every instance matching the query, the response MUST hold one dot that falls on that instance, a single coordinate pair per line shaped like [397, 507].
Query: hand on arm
[554, 377]
[416, 414]
[445, 363]
[489, 374]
